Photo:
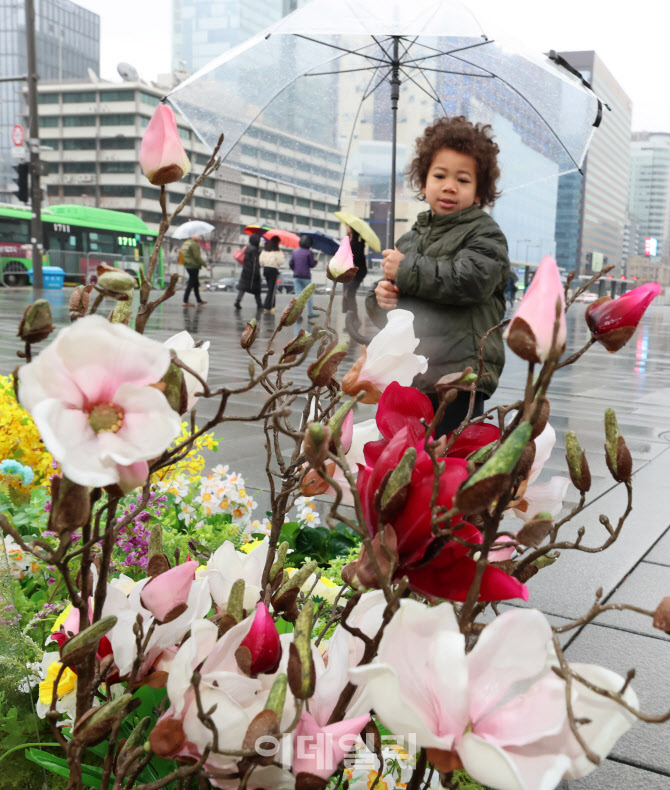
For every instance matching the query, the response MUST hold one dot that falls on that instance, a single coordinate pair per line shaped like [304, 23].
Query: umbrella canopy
[322, 241]
[332, 97]
[194, 227]
[361, 227]
[286, 237]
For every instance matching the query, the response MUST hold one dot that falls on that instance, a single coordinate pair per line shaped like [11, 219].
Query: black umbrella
[321, 241]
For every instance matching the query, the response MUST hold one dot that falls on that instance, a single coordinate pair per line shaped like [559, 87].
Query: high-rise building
[591, 210]
[67, 46]
[203, 29]
[649, 194]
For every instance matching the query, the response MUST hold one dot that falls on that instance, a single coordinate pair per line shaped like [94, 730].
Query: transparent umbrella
[333, 96]
[194, 227]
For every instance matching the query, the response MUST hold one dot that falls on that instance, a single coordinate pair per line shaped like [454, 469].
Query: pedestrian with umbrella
[271, 259]
[191, 257]
[250, 279]
[451, 269]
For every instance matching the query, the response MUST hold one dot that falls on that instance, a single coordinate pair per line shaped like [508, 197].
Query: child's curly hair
[467, 138]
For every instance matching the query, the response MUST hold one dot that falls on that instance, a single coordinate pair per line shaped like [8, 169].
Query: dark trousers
[271, 279]
[241, 293]
[193, 284]
[456, 411]
[349, 297]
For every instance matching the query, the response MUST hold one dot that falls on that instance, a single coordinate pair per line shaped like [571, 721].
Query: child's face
[451, 183]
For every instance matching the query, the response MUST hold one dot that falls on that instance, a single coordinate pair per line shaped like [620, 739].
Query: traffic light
[21, 180]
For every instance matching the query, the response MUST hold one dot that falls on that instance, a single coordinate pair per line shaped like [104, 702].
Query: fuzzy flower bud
[293, 310]
[577, 464]
[323, 369]
[162, 156]
[249, 334]
[36, 323]
[617, 454]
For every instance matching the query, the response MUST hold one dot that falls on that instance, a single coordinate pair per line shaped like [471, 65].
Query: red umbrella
[286, 237]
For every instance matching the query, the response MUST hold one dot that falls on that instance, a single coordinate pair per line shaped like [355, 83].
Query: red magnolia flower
[450, 572]
[263, 642]
[613, 321]
[472, 438]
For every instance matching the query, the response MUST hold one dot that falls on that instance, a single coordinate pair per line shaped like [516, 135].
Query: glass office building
[67, 45]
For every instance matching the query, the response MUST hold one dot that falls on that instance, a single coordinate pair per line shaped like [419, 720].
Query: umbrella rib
[434, 96]
[383, 79]
[537, 112]
[351, 139]
[340, 71]
[358, 52]
[488, 76]
[441, 52]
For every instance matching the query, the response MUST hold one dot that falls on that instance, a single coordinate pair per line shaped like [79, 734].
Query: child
[451, 269]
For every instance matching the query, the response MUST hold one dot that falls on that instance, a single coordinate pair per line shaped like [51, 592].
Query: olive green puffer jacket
[453, 279]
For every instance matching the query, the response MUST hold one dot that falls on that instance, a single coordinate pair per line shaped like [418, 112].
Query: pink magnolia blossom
[262, 641]
[124, 600]
[389, 357]
[169, 591]
[162, 156]
[500, 707]
[531, 330]
[319, 750]
[613, 321]
[90, 395]
[341, 266]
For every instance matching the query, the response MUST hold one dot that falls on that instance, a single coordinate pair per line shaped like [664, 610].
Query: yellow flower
[67, 683]
[250, 546]
[62, 617]
[381, 784]
[242, 492]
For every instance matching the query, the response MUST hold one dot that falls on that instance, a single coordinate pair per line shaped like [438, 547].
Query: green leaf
[339, 545]
[312, 542]
[284, 627]
[91, 776]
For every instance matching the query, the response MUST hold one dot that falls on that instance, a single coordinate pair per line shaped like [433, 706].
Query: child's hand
[391, 262]
[386, 294]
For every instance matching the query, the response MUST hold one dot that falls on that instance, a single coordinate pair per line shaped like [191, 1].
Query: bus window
[101, 242]
[15, 230]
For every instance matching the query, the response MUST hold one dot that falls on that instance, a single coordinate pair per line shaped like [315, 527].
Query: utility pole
[36, 238]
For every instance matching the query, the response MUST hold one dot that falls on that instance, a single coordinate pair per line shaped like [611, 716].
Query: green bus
[76, 239]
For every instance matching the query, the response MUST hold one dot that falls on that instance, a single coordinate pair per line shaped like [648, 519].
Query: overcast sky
[631, 39]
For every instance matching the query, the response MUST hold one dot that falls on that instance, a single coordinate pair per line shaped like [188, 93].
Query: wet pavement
[636, 569]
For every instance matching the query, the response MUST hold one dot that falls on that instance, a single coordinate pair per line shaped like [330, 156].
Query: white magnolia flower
[389, 357]
[196, 357]
[90, 395]
[227, 564]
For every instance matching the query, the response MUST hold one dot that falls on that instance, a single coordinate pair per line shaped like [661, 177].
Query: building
[67, 46]
[591, 210]
[649, 194]
[91, 134]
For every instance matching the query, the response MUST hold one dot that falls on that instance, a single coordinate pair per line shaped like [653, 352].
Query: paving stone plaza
[636, 569]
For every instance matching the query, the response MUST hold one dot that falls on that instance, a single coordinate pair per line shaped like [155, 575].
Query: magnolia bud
[277, 696]
[86, 641]
[662, 616]
[535, 531]
[278, 565]
[117, 281]
[249, 334]
[396, 490]
[299, 577]
[491, 479]
[301, 343]
[175, 388]
[235, 607]
[70, 505]
[617, 454]
[293, 310]
[36, 322]
[316, 444]
[93, 728]
[301, 672]
[79, 301]
[323, 369]
[577, 464]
